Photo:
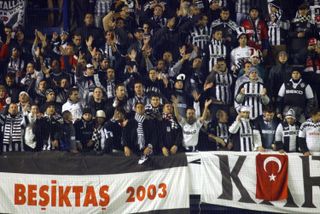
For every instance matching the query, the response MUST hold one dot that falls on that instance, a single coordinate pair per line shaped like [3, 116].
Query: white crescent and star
[272, 159]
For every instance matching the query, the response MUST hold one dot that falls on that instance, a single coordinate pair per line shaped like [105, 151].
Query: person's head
[51, 109]
[196, 63]
[224, 14]
[222, 116]
[153, 74]
[15, 53]
[30, 68]
[104, 63]
[146, 28]
[254, 13]
[42, 86]
[34, 109]
[74, 95]
[120, 91]
[167, 108]
[76, 39]
[167, 57]
[179, 83]
[253, 73]
[138, 88]
[158, 10]
[203, 21]
[315, 115]
[296, 74]
[109, 35]
[120, 23]
[64, 35]
[8, 30]
[100, 117]
[13, 109]
[89, 70]
[194, 10]
[63, 83]
[50, 95]
[190, 115]
[119, 114]
[86, 114]
[290, 117]
[124, 13]
[9, 79]
[3, 91]
[283, 57]
[67, 116]
[55, 64]
[303, 9]
[161, 65]
[69, 49]
[20, 35]
[110, 74]
[245, 112]
[221, 65]
[268, 113]
[246, 67]
[242, 40]
[217, 34]
[139, 108]
[138, 34]
[24, 97]
[97, 94]
[88, 19]
[155, 100]
[214, 4]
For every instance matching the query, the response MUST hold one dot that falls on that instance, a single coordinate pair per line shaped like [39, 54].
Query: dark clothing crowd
[149, 77]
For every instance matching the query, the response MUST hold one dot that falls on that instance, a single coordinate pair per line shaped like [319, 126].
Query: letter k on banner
[272, 177]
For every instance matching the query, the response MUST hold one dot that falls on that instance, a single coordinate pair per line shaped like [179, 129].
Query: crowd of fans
[163, 76]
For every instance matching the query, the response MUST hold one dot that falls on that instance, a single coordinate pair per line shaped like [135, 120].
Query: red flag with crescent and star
[272, 177]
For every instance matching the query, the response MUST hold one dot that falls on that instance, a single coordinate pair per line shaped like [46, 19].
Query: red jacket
[256, 38]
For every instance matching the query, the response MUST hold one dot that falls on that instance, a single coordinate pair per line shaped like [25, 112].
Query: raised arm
[205, 111]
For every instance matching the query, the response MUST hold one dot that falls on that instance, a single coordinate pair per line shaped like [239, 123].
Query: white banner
[116, 193]
[12, 12]
[229, 179]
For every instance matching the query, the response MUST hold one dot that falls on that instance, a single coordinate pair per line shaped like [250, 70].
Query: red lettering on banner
[53, 193]
[90, 197]
[19, 191]
[44, 196]
[141, 193]
[64, 196]
[77, 192]
[104, 197]
[163, 192]
[151, 192]
[32, 195]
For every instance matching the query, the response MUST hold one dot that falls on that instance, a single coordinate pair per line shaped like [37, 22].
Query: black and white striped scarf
[141, 140]
[169, 117]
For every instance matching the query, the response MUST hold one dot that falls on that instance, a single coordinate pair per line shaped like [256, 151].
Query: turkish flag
[272, 177]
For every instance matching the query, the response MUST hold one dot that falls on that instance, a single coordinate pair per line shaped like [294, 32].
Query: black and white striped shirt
[242, 135]
[252, 97]
[216, 50]
[11, 128]
[223, 82]
[200, 36]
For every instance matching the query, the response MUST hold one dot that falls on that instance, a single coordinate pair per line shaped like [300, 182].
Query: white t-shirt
[190, 132]
[311, 132]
